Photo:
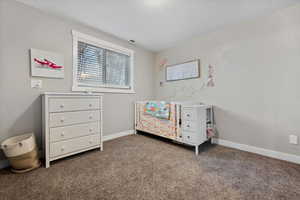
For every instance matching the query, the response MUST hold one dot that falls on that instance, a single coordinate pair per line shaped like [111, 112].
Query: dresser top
[71, 94]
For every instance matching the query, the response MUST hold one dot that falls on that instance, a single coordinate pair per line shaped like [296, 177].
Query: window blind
[100, 67]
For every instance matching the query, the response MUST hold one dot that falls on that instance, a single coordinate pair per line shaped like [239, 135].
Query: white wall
[22, 28]
[257, 70]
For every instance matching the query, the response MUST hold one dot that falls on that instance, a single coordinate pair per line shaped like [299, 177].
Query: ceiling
[159, 24]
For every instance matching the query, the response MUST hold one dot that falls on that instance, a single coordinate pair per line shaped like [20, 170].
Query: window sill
[103, 90]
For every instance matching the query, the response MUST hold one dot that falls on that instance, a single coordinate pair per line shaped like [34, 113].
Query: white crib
[190, 123]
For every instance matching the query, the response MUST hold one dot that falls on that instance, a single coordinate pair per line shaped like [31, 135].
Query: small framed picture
[46, 64]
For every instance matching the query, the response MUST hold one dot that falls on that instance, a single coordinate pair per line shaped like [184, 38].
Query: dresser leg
[196, 150]
[47, 164]
[101, 148]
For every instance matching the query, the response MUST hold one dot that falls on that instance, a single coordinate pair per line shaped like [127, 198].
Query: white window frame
[81, 37]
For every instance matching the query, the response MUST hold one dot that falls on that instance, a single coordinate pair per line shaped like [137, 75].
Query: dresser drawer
[192, 138]
[73, 104]
[189, 125]
[73, 131]
[68, 118]
[72, 145]
[189, 114]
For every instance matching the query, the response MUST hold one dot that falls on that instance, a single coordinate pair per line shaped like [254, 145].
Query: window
[99, 66]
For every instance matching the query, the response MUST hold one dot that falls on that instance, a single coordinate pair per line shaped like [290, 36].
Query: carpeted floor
[141, 167]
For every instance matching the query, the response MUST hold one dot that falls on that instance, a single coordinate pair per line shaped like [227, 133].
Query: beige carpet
[141, 167]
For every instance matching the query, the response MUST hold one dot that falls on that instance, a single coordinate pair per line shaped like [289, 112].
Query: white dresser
[72, 123]
[197, 121]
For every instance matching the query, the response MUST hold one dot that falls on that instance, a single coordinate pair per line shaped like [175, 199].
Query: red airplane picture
[47, 63]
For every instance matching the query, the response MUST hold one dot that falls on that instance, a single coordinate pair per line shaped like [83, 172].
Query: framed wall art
[46, 64]
[182, 71]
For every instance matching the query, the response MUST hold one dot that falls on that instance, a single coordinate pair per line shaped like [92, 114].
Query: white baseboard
[117, 135]
[265, 152]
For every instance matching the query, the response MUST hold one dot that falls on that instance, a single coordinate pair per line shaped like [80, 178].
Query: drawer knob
[91, 129]
[90, 117]
[62, 120]
[188, 126]
[188, 137]
[188, 115]
[62, 134]
[62, 149]
[61, 106]
[90, 105]
[90, 142]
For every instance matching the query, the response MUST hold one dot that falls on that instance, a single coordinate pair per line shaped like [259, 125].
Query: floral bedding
[159, 109]
[158, 126]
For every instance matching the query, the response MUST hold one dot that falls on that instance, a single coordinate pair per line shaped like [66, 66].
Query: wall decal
[163, 64]
[46, 64]
[210, 81]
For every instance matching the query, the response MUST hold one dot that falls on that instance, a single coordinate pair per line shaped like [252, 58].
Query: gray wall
[257, 70]
[22, 28]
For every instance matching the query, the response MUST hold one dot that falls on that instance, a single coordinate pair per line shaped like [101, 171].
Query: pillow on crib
[158, 109]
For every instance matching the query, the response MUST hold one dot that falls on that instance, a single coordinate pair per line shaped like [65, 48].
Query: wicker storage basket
[21, 152]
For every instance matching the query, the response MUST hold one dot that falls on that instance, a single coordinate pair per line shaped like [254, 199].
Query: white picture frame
[46, 64]
[183, 71]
